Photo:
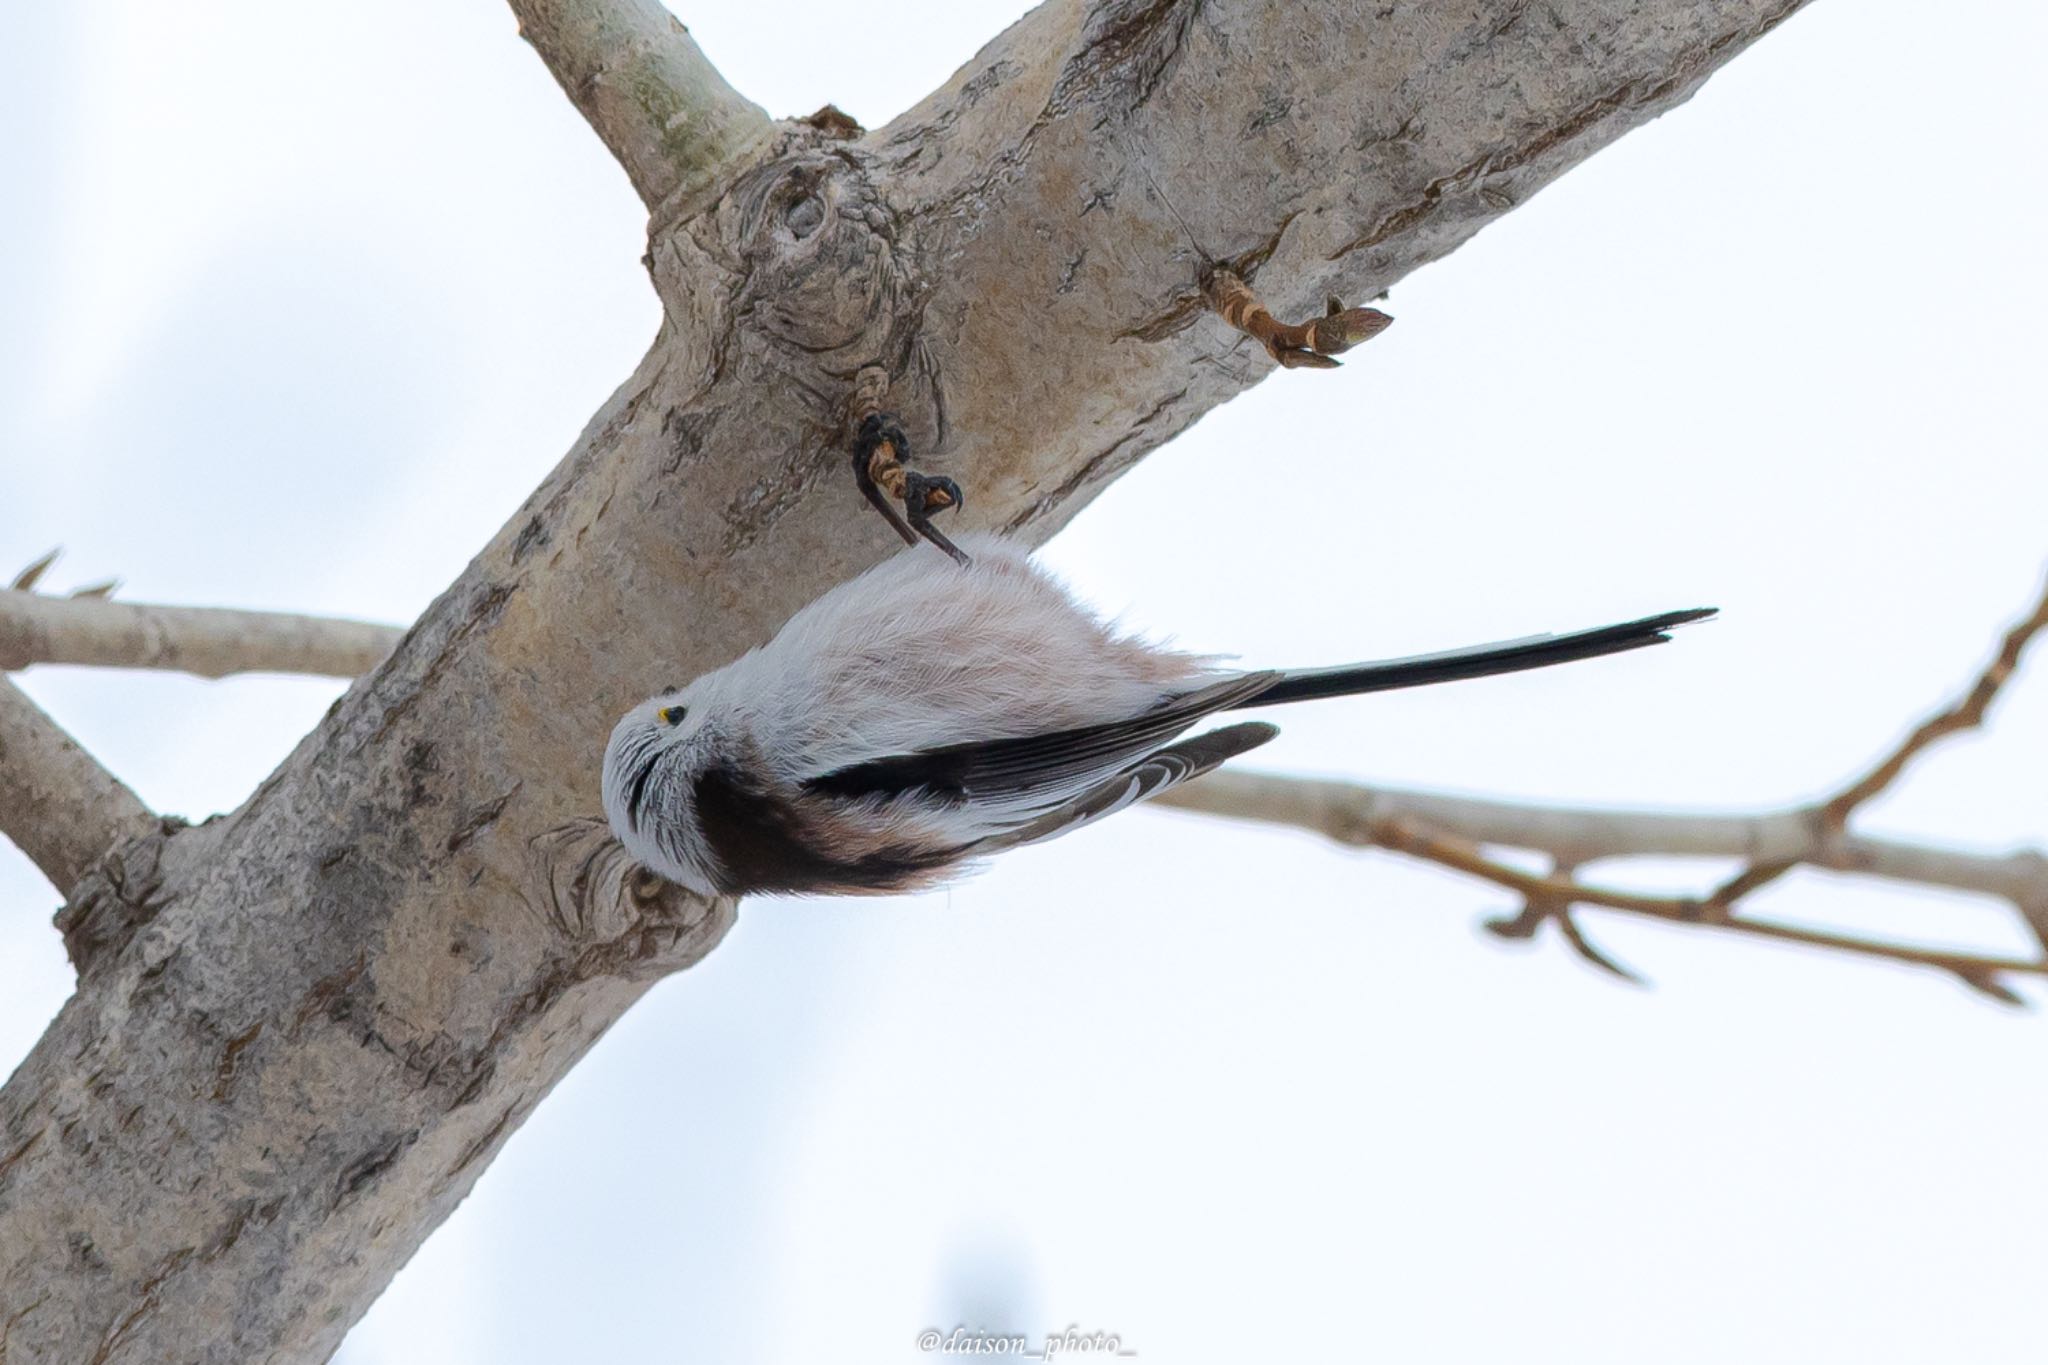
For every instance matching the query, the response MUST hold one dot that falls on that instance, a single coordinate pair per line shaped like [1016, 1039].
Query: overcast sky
[298, 303]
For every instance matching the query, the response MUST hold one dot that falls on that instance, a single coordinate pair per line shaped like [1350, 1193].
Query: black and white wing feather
[1026, 775]
[1151, 775]
[1021, 789]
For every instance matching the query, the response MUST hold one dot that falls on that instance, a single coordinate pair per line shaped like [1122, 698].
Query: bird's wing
[1034, 772]
[1149, 776]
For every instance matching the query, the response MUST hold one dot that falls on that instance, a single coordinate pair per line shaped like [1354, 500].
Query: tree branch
[1967, 714]
[648, 90]
[1555, 896]
[1349, 812]
[1832, 817]
[208, 641]
[57, 804]
[1449, 831]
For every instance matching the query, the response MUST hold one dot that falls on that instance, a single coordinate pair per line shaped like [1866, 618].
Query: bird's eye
[672, 715]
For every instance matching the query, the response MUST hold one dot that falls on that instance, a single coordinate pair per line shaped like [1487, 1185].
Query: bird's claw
[924, 494]
[879, 429]
[928, 493]
[880, 450]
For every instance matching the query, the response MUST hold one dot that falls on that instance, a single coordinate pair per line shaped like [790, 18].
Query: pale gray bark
[211, 642]
[56, 802]
[647, 89]
[301, 1031]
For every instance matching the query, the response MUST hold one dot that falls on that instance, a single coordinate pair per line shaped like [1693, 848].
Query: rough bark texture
[300, 1036]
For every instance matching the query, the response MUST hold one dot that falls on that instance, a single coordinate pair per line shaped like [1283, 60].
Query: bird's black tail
[1475, 661]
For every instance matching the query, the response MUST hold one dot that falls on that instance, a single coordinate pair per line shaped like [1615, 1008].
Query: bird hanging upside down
[930, 712]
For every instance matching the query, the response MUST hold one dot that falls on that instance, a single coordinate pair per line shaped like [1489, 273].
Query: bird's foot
[879, 451]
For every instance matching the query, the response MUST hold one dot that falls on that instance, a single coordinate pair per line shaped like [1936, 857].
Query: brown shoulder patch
[769, 842]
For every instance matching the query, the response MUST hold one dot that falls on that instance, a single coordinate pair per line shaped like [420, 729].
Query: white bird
[928, 713]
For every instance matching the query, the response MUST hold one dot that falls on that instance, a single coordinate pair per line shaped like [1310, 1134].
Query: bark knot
[814, 274]
[121, 893]
[616, 918]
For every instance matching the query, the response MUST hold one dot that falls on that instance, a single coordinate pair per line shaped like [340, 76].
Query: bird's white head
[656, 755]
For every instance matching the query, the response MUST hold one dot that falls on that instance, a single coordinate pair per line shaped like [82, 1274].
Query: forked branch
[1454, 832]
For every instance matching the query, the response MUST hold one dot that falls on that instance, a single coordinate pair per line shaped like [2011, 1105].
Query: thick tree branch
[648, 90]
[57, 804]
[209, 641]
[292, 1054]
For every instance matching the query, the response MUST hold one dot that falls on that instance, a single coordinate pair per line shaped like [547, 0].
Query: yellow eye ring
[672, 715]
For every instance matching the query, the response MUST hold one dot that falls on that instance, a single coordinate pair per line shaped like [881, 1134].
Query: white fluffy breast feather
[920, 652]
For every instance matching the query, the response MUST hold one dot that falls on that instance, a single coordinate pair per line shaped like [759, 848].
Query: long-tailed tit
[927, 713]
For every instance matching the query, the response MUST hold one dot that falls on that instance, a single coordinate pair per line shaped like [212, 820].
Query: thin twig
[1754, 877]
[1832, 817]
[56, 802]
[1403, 838]
[1452, 831]
[1541, 907]
[27, 578]
[1447, 830]
[1966, 714]
[1348, 811]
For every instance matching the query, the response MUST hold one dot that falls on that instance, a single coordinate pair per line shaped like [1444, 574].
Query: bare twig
[1451, 832]
[1966, 714]
[211, 642]
[1564, 891]
[1832, 818]
[27, 578]
[1305, 346]
[1447, 830]
[56, 802]
[1347, 812]
[635, 73]
[1543, 907]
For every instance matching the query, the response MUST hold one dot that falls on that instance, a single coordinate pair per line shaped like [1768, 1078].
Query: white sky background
[297, 303]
